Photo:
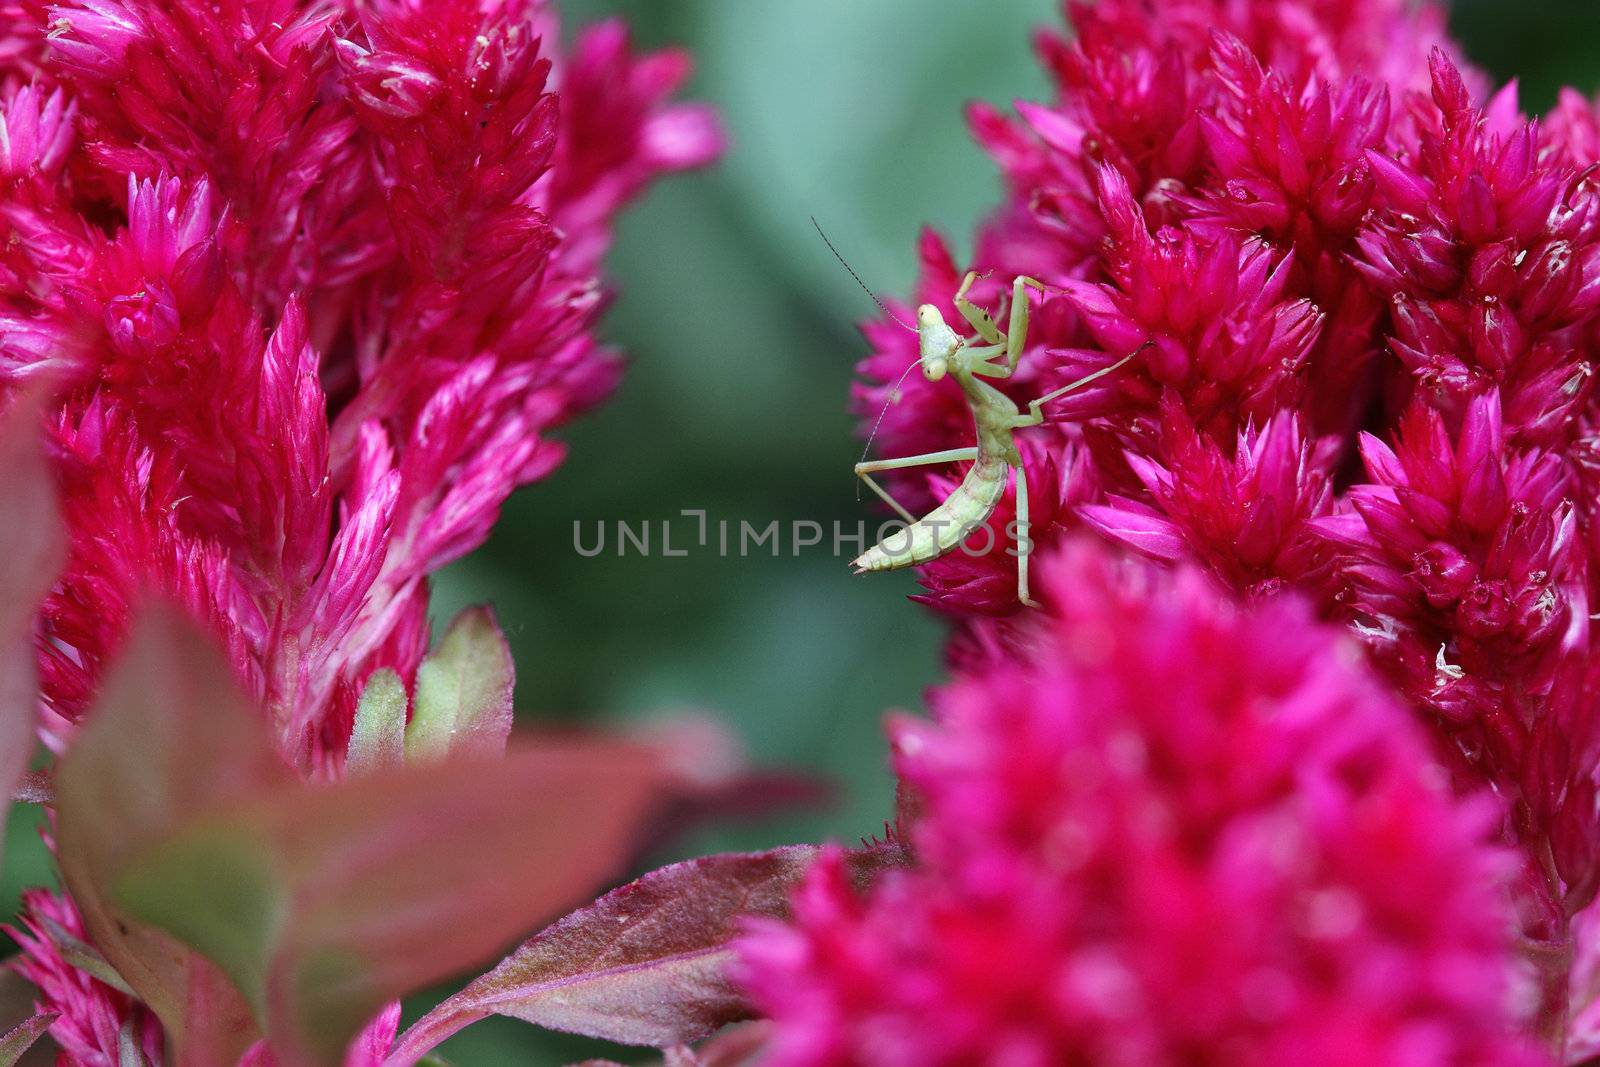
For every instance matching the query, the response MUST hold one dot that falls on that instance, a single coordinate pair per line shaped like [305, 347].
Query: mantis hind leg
[1024, 541]
[1035, 416]
[865, 470]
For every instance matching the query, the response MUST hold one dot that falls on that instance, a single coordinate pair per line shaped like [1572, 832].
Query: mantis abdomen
[947, 525]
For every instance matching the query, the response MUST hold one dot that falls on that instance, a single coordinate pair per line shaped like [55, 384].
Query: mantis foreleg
[864, 472]
[975, 315]
[1017, 338]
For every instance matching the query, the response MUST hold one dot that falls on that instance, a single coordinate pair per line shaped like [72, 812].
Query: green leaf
[463, 700]
[213, 887]
[169, 736]
[378, 738]
[325, 902]
[182, 832]
[81, 956]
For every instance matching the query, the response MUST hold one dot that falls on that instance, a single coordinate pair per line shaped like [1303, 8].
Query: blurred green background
[740, 328]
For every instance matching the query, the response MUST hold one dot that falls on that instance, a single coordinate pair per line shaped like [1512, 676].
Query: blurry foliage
[741, 330]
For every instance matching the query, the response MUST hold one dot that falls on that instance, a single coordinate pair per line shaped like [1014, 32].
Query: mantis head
[938, 342]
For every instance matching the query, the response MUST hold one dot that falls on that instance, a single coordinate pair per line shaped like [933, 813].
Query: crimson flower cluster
[1166, 830]
[319, 281]
[313, 282]
[1362, 292]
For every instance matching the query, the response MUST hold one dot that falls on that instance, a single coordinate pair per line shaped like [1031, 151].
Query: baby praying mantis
[997, 417]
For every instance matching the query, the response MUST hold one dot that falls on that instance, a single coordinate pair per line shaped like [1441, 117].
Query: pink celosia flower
[427, 276]
[1222, 332]
[1305, 221]
[1245, 516]
[315, 281]
[1165, 831]
[1486, 251]
[1466, 545]
[1464, 575]
[1223, 150]
[1139, 94]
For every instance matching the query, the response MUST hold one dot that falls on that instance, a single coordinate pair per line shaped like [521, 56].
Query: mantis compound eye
[934, 369]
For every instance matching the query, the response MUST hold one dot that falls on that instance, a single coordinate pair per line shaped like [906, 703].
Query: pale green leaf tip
[378, 738]
[22, 1037]
[128, 1052]
[464, 686]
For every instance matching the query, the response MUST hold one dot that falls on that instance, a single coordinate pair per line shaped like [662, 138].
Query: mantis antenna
[897, 320]
[846, 265]
[893, 393]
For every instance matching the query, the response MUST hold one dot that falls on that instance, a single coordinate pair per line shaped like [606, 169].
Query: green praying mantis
[992, 354]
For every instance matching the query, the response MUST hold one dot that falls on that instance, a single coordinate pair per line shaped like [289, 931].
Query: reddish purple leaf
[34, 787]
[645, 964]
[19, 697]
[737, 1046]
[733, 1047]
